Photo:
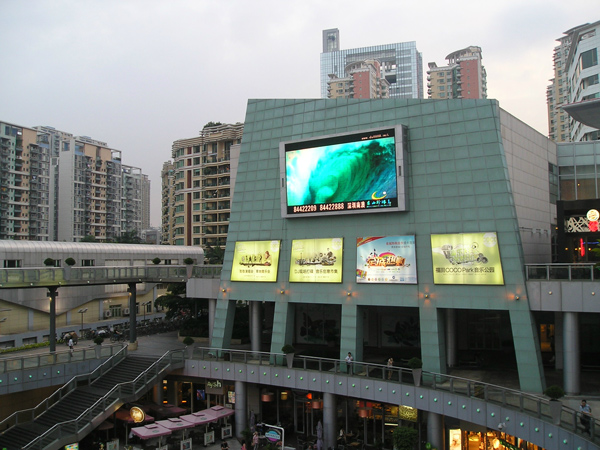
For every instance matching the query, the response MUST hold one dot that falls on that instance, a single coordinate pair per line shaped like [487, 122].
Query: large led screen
[316, 260]
[255, 261]
[470, 258]
[387, 259]
[351, 173]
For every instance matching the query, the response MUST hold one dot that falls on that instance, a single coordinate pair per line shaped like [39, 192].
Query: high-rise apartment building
[401, 65]
[576, 85]
[463, 77]
[201, 178]
[24, 184]
[167, 175]
[61, 187]
[363, 80]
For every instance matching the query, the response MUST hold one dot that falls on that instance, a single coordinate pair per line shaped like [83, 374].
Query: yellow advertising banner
[316, 260]
[466, 258]
[255, 261]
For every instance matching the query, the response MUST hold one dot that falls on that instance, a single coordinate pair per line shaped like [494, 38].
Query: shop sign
[273, 435]
[214, 387]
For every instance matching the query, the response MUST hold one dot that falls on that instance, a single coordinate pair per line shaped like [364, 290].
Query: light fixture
[593, 293]
[284, 395]
[426, 295]
[517, 297]
[223, 290]
[317, 404]
[282, 291]
[268, 397]
[348, 294]
[550, 292]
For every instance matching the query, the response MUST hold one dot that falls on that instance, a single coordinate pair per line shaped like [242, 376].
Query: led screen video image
[344, 174]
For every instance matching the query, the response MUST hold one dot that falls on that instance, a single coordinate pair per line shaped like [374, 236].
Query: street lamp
[82, 311]
[3, 319]
[4, 310]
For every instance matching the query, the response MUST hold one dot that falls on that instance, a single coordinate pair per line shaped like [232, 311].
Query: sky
[140, 74]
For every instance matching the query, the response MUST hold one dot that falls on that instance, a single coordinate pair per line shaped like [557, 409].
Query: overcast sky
[140, 74]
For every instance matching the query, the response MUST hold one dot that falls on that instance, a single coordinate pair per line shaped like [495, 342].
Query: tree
[214, 255]
[88, 238]
[176, 302]
[129, 237]
[212, 124]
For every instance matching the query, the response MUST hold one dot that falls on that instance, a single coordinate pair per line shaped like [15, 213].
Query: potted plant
[190, 268]
[98, 340]
[188, 341]
[289, 354]
[69, 263]
[404, 438]
[49, 262]
[156, 261]
[555, 392]
[417, 369]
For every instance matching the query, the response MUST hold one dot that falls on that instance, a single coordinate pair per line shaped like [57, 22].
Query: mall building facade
[390, 227]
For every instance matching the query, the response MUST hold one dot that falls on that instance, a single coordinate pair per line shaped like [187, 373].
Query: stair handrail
[105, 404]
[27, 415]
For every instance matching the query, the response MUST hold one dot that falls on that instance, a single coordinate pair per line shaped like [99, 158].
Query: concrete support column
[571, 370]
[256, 325]
[329, 421]
[352, 332]
[559, 353]
[435, 430]
[283, 326]
[172, 392]
[212, 307]
[451, 337]
[157, 393]
[52, 294]
[241, 407]
[132, 312]
[433, 339]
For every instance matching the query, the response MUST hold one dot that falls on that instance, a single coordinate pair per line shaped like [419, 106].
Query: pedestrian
[586, 415]
[349, 360]
[390, 365]
[71, 344]
[244, 445]
[255, 441]
[224, 445]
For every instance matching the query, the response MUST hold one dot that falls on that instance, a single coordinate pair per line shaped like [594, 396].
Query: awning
[219, 411]
[199, 418]
[174, 424]
[150, 431]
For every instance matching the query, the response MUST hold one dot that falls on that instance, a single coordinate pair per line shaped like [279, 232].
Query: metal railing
[51, 276]
[527, 403]
[106, 405]
[558, 271]
[33, 361]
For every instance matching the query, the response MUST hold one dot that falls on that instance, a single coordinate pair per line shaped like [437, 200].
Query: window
[88, 262]
[12, 263]
[589, 59]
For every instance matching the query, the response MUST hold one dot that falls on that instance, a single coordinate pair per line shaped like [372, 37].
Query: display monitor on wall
[386, 259]
[350, 173]
[317, 260]
[255, 261]
[467, 258]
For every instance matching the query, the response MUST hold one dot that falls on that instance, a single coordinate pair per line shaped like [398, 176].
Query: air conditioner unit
[125, 311]
[107, 314]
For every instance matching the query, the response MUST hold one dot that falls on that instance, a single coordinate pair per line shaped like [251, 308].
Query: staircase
[78, 412]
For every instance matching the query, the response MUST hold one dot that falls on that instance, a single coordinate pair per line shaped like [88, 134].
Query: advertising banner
[317, 260]
[386, 259]
[468, 258]
[255, 261]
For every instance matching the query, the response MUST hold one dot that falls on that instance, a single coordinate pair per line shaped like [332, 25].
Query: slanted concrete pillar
[329, 421]
[571, 371]
[451, 337]
[559, 353]
[256, 328]
[435, 430]
[212, 307]
[241, 413]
